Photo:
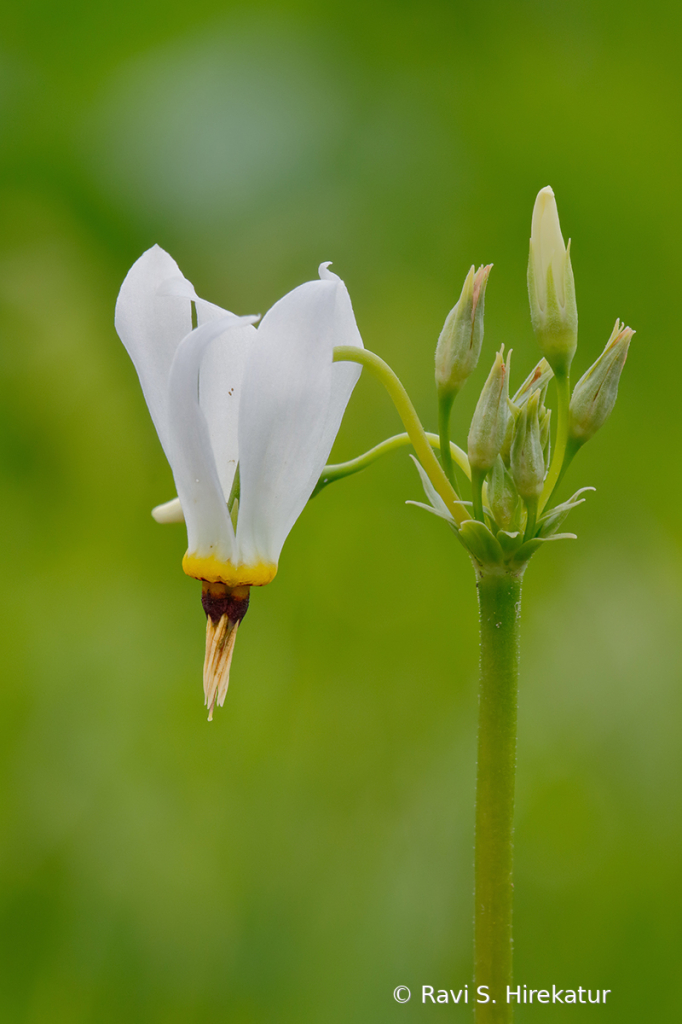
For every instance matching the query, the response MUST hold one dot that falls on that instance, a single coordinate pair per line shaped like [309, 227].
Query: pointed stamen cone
[220, 638]
[223, 665]
[225, 607]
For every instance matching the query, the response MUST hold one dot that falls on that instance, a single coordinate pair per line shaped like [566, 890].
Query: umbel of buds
[459, 344]
[594, 396]
[551, 288]
[515, 458]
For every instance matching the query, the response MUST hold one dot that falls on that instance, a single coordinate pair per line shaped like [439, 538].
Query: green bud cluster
[513, 465]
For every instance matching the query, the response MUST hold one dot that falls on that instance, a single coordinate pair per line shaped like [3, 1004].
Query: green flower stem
[444, 410]
[499, 599]
[531, 521]
[411, 422]
[572, 449]
[339, 470]
[456, 454]
[477, 478]
[555, 470]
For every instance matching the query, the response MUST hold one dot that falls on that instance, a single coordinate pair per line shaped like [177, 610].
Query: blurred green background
[312, 848]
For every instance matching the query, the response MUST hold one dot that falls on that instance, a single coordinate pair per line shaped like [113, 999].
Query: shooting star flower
[247, 418]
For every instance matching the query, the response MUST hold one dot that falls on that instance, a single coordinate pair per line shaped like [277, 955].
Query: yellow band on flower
[209, 568]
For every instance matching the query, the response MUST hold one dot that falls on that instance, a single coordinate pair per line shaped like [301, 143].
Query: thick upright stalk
[499, 597]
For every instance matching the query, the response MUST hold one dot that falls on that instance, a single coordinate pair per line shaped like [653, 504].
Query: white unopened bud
[551, 287]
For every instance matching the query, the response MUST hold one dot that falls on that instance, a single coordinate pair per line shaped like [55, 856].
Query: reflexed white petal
[291, 407]
[220, 383]
[345, 375]
[209, 529]
[151, 325]
[169, 512]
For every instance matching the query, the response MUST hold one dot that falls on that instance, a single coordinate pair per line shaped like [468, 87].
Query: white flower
[226, 395]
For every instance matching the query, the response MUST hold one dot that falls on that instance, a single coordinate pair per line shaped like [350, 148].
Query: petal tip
[169, 512]
[325, 273]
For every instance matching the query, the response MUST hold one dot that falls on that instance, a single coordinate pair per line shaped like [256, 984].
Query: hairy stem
[499, 597]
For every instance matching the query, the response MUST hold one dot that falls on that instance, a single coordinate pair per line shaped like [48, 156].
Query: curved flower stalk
[247, 418]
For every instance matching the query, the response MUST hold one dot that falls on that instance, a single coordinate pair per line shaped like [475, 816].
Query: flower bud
[489, 423]
[551, 288]
[527, 457]
[459, 344]
[594, 396]
[505, 450]
[503, 498]
[537, 380]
